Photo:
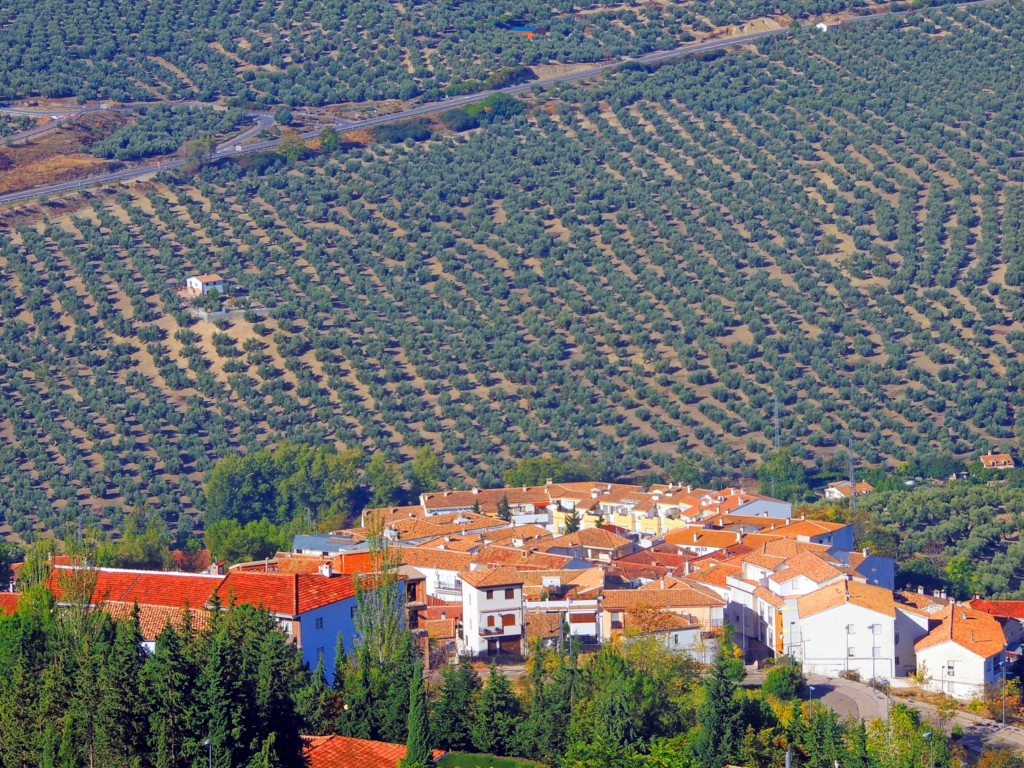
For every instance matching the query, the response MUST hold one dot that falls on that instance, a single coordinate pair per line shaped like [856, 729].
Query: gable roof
[347, 752]
[856, 593]
[990, 460]
[492, 577]
[211, 278]
[593, 538]
[287, 594]
[118, 585]
[973, 630]
[440, 559]
[809, 565]
[687, 594]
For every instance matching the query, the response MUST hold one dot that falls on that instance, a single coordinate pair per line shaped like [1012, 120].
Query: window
[352, 612]
[510, 594]
[897, 639]
[508, 620]
[849, 652]
[490, 594]
[949, 671]
[490, 621]
[319, 623]
[897, 660]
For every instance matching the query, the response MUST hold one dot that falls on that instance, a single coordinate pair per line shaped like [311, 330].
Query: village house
[594, 544]
[492, 612]
[997, 461]
[962, 653]
[844, 490]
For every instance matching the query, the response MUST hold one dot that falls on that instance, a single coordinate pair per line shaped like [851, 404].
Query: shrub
[785, 681]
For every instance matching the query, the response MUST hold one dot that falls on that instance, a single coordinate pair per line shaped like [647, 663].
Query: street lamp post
[874, 692]
[810, 698]
[1002, 668]
[927, 736]
[209, 752]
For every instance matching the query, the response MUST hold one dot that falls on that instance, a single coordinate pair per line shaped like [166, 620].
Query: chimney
[739, 537]
[476, 491]
[689, 488]
[920, 590]
[686, 566]
[964, 617]
[866, 552]
[326, 570]
[977, 596]
[942, 594]
[548, 481]
[935, 593]
[661, 583]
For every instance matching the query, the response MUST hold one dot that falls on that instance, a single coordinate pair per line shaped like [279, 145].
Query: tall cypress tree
[171, 675]
[417, 747]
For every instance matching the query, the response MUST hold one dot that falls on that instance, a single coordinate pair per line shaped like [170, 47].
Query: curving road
[234, 147]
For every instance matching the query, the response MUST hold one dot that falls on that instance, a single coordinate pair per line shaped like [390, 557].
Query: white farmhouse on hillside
[200, 285]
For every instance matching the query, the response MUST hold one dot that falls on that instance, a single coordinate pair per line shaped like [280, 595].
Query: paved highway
[228, 148]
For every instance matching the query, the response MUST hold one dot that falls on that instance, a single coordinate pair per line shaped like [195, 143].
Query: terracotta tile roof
[769, 597]
[693, 596]
[442, 629]
[667, 582]
[662, 621]
[703, 537]
[492, 577]
[808, 528]
[925, 604]
[973, 630]
[521, 558]
[471, 543]
[653, 556]
[592, 538]
[435, 558]
[460, 523]
[286, 594]
[153, 619]
[526, 532]
[9, 602]
[791, 548]
[1004, 609]
[176, 590]
[211, 278]
[443, 611]
[348, 752]
[488, 499]
[809, 565]
[866, 596]
[637, 570]
[109, 584]
[996, 460]
[715, 574]
[540, 624]
[762, 560]
[843, 488]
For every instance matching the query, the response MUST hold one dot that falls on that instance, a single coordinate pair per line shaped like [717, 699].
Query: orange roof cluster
[521, 558]
[347, 752]
[973, 630]
[857, 593]
[439, 559]
[1003, 609]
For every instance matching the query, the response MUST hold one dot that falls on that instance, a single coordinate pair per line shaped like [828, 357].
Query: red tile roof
[175, 590]
[1003, 609]
[153, 619]
[285, 593]
[978, 632]
[348, 752]
[492, 577]
[9, 602]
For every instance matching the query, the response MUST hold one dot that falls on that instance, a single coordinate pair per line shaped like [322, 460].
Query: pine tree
[573, 521]
[314, 703]
[719, 717]
[452, 718]
[122, 708]
[504, 509]
[171, 676]
[417, 748]
[498, 716]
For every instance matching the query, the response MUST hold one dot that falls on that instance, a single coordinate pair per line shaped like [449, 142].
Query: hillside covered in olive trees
[628, 271]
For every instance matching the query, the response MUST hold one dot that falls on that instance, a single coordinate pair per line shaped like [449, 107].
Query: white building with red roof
[963, 653]
[492, 611]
